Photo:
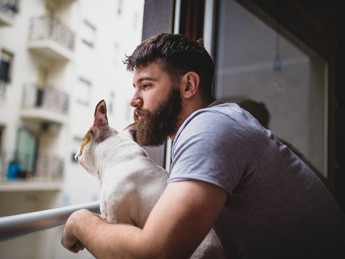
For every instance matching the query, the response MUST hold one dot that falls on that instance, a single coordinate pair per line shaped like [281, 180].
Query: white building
[58, 58]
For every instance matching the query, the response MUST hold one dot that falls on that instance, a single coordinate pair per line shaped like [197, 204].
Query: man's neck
[187, 109]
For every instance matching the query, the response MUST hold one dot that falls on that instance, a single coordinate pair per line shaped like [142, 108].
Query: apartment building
[58, 58]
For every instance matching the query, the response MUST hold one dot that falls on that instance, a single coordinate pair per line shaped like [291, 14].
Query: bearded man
[227, 172]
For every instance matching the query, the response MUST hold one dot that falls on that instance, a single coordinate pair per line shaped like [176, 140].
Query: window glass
[26, 149]
[84, 91]
[283, 85]
[5, 66]
[88, 34]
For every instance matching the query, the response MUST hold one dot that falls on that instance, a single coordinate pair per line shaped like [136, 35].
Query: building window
[9, 7]
[6, 60]
[88, 34]
[271, 75]
[1, 133]
[3, 161]
[26, 151]
[117, 59]
[119, 7]
[111, 103]
[84, 91]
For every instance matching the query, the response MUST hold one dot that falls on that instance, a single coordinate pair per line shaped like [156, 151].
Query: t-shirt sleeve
[207, 149]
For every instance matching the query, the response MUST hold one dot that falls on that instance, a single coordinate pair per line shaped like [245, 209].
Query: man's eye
[145, 86]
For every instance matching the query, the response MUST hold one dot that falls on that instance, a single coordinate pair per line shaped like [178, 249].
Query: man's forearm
[102, 239]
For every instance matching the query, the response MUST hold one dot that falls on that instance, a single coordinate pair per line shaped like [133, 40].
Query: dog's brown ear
[100, 116]
[131, 129]
[100, 128]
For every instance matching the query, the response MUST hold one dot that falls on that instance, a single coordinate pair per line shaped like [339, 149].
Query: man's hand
[69, 239]
[179, 221]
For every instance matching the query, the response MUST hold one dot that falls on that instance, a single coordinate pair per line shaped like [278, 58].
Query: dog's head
[98, 132]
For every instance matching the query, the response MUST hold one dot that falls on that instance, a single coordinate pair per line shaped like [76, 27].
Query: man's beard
[154, 127]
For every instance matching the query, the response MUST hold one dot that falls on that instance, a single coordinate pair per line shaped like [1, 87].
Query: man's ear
[189, 84]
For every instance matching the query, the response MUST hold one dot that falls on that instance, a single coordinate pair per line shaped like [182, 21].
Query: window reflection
[294, 94]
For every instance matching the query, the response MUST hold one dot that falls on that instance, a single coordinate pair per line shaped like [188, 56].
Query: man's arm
[177, 224]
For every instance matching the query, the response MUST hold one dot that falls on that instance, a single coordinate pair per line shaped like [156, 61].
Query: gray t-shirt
[277, 207]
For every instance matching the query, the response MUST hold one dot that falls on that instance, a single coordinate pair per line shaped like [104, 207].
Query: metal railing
[23, 224]
[9, 7]
[42, 167]
[49, 27]
[46, 97]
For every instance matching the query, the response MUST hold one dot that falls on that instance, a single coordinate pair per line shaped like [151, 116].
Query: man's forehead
[151, 71]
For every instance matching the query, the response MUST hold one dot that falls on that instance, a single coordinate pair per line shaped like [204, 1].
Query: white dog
[131, 182]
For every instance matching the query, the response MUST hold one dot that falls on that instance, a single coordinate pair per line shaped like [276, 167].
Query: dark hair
[177, 54]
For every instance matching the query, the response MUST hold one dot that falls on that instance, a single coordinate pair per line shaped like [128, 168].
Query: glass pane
[254, 62]
[26, 149]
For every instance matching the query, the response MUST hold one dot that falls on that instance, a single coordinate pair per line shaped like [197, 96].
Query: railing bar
[18, 225]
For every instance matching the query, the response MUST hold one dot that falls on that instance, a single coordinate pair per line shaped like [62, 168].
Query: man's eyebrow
[140, 80]
[147, 78]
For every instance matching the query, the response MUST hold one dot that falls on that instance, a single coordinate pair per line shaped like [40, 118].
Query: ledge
[31, 185]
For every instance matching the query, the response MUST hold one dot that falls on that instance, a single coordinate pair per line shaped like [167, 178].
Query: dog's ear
[100, 116]
[100, 127]
[131, 130]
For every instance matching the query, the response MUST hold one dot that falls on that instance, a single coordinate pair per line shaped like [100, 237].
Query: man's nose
[136, 101]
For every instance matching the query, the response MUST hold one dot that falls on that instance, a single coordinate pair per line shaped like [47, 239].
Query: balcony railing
[46, 105]
[51, 39]
[47, 98]
[8, 9]
[49, 27]
[19, 225]
[33, 168]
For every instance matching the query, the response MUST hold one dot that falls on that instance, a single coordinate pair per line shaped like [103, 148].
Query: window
[84, 88]
[111, 103]
[119, 7]
[6, 60]
[88, 34]
[26, 149]
[9, 7]
[42, 76]
[3, 161]
[288, 80]
[116, 55]
[1, 134]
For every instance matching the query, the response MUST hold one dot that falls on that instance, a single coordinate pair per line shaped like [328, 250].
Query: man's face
[157, 103]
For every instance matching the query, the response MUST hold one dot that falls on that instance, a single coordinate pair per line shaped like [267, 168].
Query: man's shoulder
[218, 109]
[215, 123]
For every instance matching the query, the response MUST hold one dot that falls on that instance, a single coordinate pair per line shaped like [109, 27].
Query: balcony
[46, 105]
[37, 172]
[50, 38]
[8, 9]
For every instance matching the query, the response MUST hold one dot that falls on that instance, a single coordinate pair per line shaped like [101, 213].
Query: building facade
[57, 60]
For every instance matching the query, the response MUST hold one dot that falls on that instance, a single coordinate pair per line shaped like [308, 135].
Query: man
[227, 172]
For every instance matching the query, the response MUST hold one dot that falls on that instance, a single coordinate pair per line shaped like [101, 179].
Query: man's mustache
[138, 112]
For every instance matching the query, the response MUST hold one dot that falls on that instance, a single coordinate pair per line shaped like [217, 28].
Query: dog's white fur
[131, 182]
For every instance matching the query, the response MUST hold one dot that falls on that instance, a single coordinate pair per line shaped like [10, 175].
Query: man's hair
[177, 54]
